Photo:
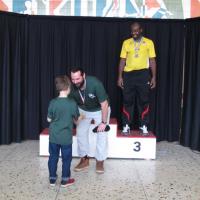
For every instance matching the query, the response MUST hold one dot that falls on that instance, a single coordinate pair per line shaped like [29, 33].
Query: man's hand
[120, 82]
[101, 127]
[153, 83]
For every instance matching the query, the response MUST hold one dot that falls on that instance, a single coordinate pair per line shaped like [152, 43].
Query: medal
[82, 93]
[137, 47]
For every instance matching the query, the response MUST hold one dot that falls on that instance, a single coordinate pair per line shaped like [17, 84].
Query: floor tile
[174, 175]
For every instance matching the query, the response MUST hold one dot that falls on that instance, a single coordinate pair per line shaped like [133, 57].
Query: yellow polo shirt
[140, 59]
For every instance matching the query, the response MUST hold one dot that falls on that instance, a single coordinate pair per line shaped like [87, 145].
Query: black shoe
[52, 182]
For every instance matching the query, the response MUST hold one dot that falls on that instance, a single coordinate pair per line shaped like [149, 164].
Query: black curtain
[190, 136]
[12, 77]
[166, 99]
[54, 44]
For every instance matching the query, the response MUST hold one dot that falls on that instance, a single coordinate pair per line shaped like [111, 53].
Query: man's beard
[80, 85]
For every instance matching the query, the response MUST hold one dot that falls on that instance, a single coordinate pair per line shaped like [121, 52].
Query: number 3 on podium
[137, 146]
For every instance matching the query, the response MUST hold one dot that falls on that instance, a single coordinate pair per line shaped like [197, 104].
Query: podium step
[119, 146]
[135, 133]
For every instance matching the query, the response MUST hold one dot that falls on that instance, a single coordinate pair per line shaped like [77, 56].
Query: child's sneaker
[52, 182]
[67, 183]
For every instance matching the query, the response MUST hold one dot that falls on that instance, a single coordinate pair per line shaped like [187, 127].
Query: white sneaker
[144, 130]
[126, 130]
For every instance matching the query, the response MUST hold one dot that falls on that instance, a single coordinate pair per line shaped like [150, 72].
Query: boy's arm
[50, 112]
[77, 117]
[77, 120]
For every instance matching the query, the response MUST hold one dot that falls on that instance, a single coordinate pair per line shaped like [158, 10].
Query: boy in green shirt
[61, 113]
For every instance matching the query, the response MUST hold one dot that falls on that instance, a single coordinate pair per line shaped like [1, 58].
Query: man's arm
[122, 64]
[104, 110]
[152, 65]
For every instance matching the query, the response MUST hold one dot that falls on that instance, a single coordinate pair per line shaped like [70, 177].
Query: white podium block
[133, 146]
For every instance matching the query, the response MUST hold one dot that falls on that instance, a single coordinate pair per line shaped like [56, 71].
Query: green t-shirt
[62, 111]
[93, 95]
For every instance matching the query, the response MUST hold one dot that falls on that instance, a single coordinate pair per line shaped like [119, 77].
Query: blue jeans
[66, 153]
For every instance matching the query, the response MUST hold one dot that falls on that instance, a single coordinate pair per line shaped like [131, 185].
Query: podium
[119, 146]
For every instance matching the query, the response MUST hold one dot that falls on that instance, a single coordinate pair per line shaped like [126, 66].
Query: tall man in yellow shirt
[136, 58]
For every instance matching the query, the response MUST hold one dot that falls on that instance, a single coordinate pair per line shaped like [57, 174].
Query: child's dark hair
[62, 82]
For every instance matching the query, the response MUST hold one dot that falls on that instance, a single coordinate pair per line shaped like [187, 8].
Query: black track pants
[136, 86]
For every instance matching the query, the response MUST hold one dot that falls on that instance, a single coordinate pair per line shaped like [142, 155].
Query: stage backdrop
[160, 9]
[34, 49]
[190, 134]
[13, 79]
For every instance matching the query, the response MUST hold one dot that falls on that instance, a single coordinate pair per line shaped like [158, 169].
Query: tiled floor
[174, 175]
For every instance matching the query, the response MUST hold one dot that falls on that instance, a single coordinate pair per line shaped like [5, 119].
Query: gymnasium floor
[174, 175]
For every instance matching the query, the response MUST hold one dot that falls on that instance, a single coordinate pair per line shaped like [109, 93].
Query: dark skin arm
[122, 64]
[152, 65]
